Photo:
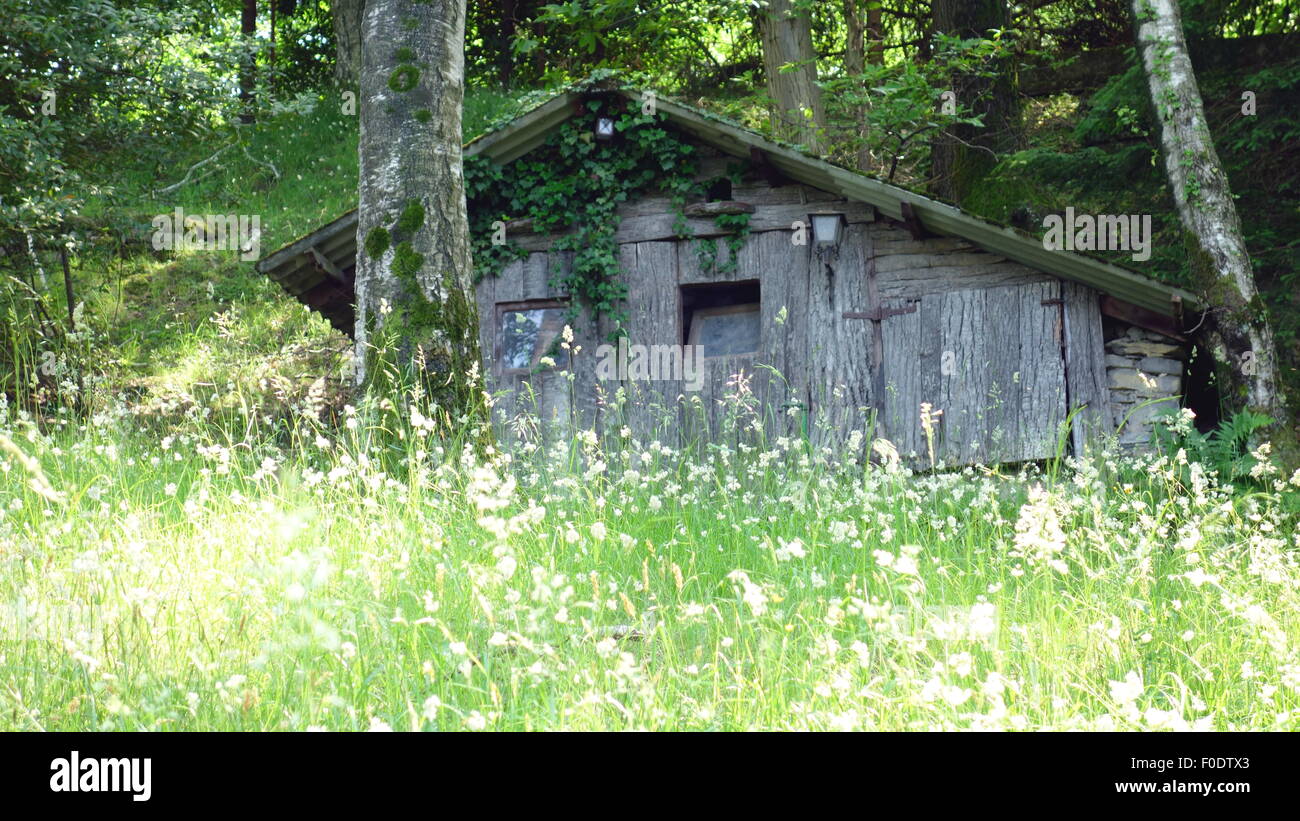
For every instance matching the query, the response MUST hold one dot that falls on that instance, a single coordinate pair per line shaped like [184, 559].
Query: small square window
[526, 333]
[723, 318]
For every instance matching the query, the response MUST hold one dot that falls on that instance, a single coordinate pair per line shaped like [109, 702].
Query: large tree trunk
[855, 31]
[1235, 329]
[799, 116]
[962, 156]
[347, 16]
[855, 62]
[413, 285]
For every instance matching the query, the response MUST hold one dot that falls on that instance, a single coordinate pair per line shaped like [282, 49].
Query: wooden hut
[894, 301]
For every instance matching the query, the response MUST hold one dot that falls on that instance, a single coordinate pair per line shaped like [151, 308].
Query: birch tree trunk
[414, 301]
[799, 116]
[1235, 329]
[347, 16]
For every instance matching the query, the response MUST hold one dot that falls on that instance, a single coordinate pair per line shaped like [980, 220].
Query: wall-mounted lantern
[827, 229]
[604, 128]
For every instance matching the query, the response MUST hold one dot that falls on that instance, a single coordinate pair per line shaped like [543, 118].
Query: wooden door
[990, 360]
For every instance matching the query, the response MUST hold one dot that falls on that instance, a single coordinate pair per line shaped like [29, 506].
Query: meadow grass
[372, 573]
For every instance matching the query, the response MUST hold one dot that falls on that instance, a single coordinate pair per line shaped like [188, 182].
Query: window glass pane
[729, 331]
[526, 335]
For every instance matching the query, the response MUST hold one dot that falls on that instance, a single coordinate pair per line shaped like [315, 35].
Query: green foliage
[304, 48]
[672, 43]
[1074, 173]
[1120, 110]
[79, 78]
[165, 323]
[299, 559]
[1235, 18]
[737, 228]
[1119, 169]
[1226, 449]
[904, 102]
[43, 363]
[204, 347]
[575, 183]
[1260, 154]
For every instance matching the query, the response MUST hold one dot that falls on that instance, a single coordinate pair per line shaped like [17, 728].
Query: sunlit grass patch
[374, 575]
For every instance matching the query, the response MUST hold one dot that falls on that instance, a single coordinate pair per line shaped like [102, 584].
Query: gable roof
[303, 267]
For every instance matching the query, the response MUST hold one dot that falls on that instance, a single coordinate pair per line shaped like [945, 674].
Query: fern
[1226, 449]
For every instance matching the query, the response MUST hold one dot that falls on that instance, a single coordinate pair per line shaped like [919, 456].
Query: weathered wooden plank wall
[507, 287]
[485, 292]
[981, 348]
[1085, 365]
[703, 411]
[912, 268]
[840, 355]
[1042, 390]
[900, 402]
[990, 360]
[982, 343]
[779, 388]
[547, 395]
[651, 408]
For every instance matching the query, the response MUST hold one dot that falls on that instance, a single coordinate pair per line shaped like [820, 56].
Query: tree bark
[963, 155]
[855, 51]
[415, 304]
[248, 74]
[855, 63]
[347, 16]
[863, 45]
[799, 116]
[875, 35]
[1235, 329]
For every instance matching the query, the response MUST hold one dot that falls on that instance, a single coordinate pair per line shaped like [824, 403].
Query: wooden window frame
[498, 333]
[723, 310]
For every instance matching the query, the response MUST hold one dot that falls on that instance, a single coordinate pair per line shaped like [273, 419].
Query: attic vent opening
[723, 317]
[719, 190]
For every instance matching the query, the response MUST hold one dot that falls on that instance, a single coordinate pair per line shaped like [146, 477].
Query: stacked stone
[1142, 365]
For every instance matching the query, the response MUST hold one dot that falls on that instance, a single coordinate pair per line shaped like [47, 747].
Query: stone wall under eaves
[1144, 372]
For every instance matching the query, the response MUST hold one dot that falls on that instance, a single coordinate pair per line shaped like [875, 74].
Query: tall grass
[375, 574]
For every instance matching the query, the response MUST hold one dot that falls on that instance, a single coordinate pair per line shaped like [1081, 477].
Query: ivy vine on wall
[572, 186]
